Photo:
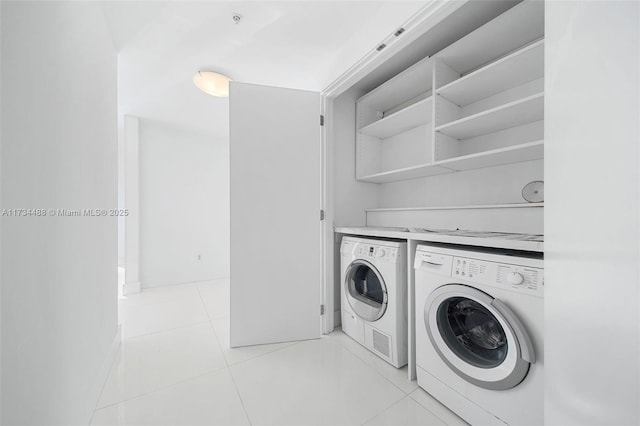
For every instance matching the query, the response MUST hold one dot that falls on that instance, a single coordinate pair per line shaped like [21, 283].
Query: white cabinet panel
[592, 296]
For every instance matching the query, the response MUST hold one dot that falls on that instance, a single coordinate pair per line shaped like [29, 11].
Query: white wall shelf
[515, 28]
[520, 67]
[477, 103]
[412, 116]
[483, 206]
[401, 88]
[413, 172]
[397, 146]
[512, 114]
[512, 154]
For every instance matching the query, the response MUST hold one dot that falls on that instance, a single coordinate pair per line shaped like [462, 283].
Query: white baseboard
[94, 393]
[131, 288]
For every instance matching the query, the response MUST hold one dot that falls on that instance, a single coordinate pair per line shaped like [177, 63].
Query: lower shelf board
[514, 154]
[516, 113]
[412, 172]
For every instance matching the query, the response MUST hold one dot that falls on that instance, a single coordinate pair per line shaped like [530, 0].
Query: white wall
[591, 214]
[130, 140]
[491, 185]
[350, 196]
[121, 192]
[184, 205]
[0, 219]
[58, 151]
[488, 186]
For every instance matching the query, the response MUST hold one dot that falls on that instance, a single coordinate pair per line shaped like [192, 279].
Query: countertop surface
[501, 240]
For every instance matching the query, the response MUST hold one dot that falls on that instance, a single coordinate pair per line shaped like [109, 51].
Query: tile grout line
[286, 345]
[388, 408]
[167, 386]
[136, 298]
[233, 379]
[404, 394]
[435, 414]
[393, 403]
[167, 289]
[166, 330]
[229, 364]
[105, 383]
[161, 388]
[186, 284]
[162, 302]
[371, 367]
[210, 321]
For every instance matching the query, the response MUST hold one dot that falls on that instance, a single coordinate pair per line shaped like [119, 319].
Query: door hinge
[322, 120]
[321, 309]
[321, 214]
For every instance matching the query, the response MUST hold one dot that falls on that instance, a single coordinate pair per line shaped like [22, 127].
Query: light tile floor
[175, 367]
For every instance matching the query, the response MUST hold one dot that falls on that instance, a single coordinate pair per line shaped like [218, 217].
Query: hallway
[175, 367]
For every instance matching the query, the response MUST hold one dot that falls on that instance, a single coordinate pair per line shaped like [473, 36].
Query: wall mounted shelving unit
[477, 103]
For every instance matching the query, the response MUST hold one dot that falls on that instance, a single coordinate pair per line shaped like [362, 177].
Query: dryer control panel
[516, 277]
[362, 249]
[366, 251]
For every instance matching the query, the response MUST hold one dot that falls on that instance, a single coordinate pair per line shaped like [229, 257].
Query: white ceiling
[297, 44]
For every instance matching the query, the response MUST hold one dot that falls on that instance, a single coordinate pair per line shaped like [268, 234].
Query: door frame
[414, 27]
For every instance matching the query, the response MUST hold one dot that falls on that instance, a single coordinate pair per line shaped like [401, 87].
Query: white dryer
[479, 333]
[374, 296]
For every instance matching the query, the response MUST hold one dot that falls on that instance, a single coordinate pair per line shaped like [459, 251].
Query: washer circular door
[365, 290]
[478, 336]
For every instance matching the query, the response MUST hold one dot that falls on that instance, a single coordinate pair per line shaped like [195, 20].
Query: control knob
[381, 253]
[515, 278]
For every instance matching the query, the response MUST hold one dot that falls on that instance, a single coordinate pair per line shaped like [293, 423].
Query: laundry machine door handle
[525, 344]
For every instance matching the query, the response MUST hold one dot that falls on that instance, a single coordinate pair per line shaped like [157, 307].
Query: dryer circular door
[478, 336]
[365, 290]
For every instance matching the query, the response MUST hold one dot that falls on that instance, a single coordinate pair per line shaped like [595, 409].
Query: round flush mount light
[212, 83]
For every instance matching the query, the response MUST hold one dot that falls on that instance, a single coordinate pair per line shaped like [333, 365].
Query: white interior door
[275, 174]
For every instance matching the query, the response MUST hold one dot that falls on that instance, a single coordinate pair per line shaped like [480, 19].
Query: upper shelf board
[412, 116]
[520, 67]
[522, 111]
[518, 26]
[401, 88]
[412, 172]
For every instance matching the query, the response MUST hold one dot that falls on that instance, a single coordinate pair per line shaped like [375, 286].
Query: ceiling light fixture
[212, 83]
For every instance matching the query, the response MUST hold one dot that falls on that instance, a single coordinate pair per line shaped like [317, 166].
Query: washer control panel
[516, 277]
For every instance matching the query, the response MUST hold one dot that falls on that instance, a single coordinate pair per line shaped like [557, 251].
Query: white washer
[479, 333]
[374, 296]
